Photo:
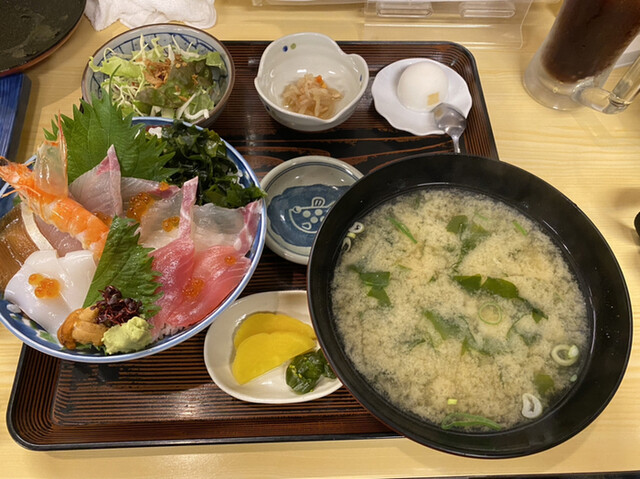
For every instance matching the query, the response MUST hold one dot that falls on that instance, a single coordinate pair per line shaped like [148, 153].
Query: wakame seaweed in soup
[459, 309]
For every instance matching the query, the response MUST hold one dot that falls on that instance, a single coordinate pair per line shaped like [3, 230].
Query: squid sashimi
[99, 188]
[48, 288]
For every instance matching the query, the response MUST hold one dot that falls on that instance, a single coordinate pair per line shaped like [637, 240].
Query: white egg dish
[409, 112]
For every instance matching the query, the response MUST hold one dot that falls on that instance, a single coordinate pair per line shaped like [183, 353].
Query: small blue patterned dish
[300, 193]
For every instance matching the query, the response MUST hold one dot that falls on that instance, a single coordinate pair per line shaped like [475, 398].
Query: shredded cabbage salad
[167, 81]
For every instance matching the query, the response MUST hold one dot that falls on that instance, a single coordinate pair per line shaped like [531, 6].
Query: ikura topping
[193, 288]
[171, 223]
[106, 219]
[230, 260]
[139, 205]
[114, 309]
[45, 288]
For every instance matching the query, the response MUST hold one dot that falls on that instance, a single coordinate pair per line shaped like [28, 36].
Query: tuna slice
[195, 275]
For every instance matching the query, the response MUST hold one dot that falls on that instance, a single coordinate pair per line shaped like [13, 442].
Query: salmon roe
[106, 219]
[171, 223]
[230, 260]
[193, 288]
[45, 288]
[139, 205]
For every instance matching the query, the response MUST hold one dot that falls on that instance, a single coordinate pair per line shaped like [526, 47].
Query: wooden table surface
[592, 158]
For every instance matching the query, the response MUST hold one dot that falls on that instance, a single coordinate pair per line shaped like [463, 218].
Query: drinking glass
[574, 61]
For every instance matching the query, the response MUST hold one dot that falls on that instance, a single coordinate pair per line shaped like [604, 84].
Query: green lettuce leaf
[214, 59]
[127, 266]
[126, 68]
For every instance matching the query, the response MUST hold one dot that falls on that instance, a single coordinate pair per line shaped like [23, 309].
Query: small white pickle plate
[271, 387]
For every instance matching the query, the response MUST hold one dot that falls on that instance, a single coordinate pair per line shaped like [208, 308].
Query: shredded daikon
[310, 95]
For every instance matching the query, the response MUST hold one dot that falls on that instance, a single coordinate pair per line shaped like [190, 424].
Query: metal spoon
[451, 121]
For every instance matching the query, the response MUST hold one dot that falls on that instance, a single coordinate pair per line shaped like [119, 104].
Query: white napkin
[134, 13]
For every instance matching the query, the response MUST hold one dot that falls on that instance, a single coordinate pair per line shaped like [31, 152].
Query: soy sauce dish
[607, 325]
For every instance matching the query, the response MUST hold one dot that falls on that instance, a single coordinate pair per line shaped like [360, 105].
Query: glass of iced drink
[573, 63]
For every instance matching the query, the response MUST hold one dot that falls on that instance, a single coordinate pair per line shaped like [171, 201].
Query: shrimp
[55, 207]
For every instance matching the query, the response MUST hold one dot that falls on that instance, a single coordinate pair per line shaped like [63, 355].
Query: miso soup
[459, 309]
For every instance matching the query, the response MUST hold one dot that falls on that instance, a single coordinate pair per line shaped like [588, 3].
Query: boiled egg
[67, 281]
[422, 86]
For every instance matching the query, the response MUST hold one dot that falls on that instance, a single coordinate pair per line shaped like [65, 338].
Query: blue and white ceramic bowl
[164, 34]
[300, 193]
[291, 57]
[33, 335]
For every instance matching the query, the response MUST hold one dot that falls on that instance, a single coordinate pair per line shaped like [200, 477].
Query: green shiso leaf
[127, 266]
[95, 126]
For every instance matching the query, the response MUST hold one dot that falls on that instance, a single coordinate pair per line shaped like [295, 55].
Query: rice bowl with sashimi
[194, 248]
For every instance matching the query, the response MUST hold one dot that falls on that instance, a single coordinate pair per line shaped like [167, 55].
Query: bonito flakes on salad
[167, 81]
[120, 236]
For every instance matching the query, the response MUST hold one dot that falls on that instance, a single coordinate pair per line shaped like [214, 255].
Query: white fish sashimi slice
[152, 233]
[74, 274]
[130, 187]
[62, 242]
[217, 226]
[98, 189]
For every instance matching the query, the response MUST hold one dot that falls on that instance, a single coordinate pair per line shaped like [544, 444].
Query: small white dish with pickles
[270, 387]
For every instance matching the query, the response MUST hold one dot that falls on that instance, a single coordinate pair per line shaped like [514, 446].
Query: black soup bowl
[584, 248]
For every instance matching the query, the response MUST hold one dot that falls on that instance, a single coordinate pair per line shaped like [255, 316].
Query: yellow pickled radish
[262, 352]
[269, 323]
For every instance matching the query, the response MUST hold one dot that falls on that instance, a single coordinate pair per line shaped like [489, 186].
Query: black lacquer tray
[169, 398]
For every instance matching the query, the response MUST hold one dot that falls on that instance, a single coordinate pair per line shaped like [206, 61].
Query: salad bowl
[193, 50]
[33, 335]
